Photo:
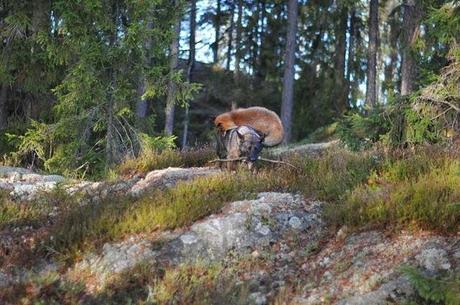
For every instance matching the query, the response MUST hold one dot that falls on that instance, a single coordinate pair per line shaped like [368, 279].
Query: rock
[433, 259]
[258, 298]
[117, 257]
[310, 149]
[168, 177]
[241, 228]
[23, 184]
[396, 291]
[6, 171]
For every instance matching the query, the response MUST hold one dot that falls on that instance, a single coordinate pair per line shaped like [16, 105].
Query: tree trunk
[261, 71]
[391, 66]
[339, 64]
[351, 54]
[371, 89]
[110, 149]
[3, 106]
[288, 79]
[190, 67]
[172, 87]
[217, 32]
[230, 37]
[411, 23]
[142, 103]
[239, 30]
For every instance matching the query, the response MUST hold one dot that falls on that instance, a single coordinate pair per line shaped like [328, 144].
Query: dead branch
[227, 160]
[277, 162]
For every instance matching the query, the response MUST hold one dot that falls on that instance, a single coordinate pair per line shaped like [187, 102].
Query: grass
[418, 192]
[152, 160]
[365, 190]
[375, 189]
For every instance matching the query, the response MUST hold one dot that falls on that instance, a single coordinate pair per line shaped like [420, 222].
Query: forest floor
[342, 228]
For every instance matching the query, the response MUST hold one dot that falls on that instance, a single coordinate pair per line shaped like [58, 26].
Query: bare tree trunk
[110, 149]
[288, 79]
[351, 53]
[230, 37]
[391, 66]
[217, 32]
[142, 103]
[371, 89]
[261, 69]
[172, 87]
[190, 68]
[411, 23]
[3, 106]
[239, 30]
[339, 64]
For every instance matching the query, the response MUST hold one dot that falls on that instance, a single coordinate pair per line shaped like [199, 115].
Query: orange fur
[259, 118]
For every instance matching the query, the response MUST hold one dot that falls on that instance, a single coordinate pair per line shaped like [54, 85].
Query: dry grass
[152, 160]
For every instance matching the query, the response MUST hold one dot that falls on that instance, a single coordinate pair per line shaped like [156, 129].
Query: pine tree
[288, 79]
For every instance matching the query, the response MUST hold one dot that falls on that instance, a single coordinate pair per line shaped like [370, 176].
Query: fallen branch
[227, 160]
[277, 161]
[260, 158]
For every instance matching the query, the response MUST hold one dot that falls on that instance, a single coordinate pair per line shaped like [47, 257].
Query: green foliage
[416, 192]
[435, 289]
[402, 122]
[359, 131]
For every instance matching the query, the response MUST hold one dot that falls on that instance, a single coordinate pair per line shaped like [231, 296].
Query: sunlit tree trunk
[371, 85]
[287, 102]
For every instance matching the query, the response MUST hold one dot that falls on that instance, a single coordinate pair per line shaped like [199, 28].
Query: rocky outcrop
[23, 184]
[304, 149]
[365, 268]
[241, 228]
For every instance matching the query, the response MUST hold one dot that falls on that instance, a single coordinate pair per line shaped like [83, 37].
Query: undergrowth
[439, 289]
[372, 189]
[150, 160]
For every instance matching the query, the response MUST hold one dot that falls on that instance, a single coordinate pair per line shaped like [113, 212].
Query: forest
[113, 184]
[85, 84]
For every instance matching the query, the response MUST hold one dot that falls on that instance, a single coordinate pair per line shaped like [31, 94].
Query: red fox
[261, 119]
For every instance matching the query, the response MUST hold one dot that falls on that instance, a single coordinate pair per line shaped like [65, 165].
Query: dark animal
[240, 142]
